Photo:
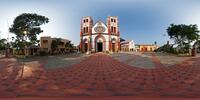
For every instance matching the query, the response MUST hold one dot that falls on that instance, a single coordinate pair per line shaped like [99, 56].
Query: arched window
[114, 29]
[86, 29]
[111, 20]
[83, 29]
[111, 28]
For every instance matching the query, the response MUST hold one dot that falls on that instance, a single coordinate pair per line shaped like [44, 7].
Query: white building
[99, 37]
[128, 46]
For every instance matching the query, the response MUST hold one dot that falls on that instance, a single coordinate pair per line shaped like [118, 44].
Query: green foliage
[2, 44]
[183, 35]
[198, 49]
[69, 46]
[167, 48]
[27, 24]
[55, 43]
[197, 46]
[43, 53]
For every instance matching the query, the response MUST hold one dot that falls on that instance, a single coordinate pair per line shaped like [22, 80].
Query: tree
[197, 46]
[183, 35]
[27, 25]
[2, 44]
[54, 44]
[69, 46]
[166, 48]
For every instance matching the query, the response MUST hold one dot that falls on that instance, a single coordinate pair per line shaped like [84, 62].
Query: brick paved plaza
[123, 74]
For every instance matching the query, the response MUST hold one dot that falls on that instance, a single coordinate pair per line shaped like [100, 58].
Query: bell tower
[86, 30]
[113, 25]
[113, 29]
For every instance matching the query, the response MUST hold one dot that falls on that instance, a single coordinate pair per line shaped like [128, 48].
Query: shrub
[43, 53]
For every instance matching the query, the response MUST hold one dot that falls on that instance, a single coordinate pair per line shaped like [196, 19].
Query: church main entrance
[100, 43]
[99, 47]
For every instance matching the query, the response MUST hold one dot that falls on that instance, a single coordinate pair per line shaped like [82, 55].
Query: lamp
[25, 34]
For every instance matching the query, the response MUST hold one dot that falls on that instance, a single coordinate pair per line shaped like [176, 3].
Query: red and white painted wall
[99, 36]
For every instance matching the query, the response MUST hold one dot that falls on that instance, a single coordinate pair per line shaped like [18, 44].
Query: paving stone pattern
[101, 75]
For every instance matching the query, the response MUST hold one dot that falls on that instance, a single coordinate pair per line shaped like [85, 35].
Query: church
[100, 36]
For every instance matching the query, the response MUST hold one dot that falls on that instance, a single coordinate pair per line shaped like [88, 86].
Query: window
[62, 43]
[111, 20]
[85, 20]
[86, 29]
[114, 20]
[114, 29]
[111, 28]
[45, 41]
[151, 49]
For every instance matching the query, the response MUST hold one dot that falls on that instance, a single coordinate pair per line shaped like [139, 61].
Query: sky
[144, 21]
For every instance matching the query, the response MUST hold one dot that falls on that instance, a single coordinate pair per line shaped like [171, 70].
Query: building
[128, 46]
[146, 47]
[32, 50]
[98, 36]
[45, 44]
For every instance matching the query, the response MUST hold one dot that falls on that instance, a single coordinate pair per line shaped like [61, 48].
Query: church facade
[100, 36]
